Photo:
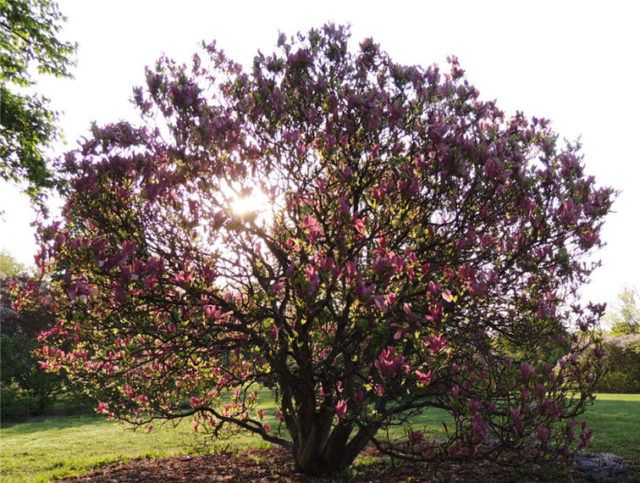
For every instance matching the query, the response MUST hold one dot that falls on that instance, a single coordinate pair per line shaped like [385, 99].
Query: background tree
[25, 388]
[418, 249]
[625, 318]
[9, 266]
[28, 44]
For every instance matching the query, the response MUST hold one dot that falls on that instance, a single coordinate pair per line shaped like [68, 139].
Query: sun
[242, 206]
[254, 203]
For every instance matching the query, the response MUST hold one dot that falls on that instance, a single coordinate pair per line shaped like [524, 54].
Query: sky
[573, 62]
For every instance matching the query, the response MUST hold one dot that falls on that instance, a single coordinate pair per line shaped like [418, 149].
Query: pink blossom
[436, 343]
[424, 378]
[364, 291]
[328, 264]
[475, 405]
[347, 173]
[211, 311]
[352, 270]
[436, 313]
[379, 193]
[492, 168]
[390, 299]
[526, 370]
[543, 433]
[380, 302]
[515, 414]
[103, 408]
[388, 363]
[208, 273]
[479, 428]
[415, 437]
[312, 276]
[181, 277]
[129, 248]
[477, 287]
[341, 408]
[276, 287]
[313, 228]
[115, 261]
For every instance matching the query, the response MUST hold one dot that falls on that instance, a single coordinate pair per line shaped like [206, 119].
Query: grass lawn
[51, 448]
[615, 420]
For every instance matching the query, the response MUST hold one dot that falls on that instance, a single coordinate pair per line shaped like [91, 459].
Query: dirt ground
[275, 464]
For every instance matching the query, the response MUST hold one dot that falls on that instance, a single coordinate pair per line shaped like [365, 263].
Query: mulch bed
[275, 464]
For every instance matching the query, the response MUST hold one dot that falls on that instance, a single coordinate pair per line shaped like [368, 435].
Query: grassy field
[615, 420]
[47, 449]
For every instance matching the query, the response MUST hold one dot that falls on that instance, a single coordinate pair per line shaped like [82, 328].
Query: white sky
[574, 62]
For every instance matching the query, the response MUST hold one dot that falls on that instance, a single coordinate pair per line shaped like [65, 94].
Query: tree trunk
[316, 457]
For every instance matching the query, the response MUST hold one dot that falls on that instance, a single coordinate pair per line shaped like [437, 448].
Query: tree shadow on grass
[53, 423]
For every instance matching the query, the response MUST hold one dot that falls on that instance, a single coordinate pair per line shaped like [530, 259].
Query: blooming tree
[421, 250]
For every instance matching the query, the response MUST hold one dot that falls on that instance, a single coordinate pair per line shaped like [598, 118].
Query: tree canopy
[28, 44]
[418, 249]
[625, 318]
[9, 266]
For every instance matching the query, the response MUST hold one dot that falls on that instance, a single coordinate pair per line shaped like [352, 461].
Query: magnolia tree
[403, 246]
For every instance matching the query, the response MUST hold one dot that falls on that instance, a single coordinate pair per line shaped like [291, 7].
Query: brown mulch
[275, 464]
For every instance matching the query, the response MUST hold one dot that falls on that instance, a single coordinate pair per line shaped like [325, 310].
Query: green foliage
[619, 382]
[18, 404]
[622, 365]
[9, 266]
[28, 43]
[625, 319]
[26, 389]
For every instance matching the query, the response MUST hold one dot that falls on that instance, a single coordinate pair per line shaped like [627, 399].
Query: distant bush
[622, 364]
[25, 389]
[16, 403]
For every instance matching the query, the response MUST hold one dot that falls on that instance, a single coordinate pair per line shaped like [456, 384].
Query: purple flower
[313, 228]
[543, 433]
[526, 370]
[341, 408]
[436, 343]
[388, 363]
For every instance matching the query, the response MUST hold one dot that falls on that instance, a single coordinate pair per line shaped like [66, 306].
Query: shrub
[416, 249]
[622, 365]
[26, 389]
